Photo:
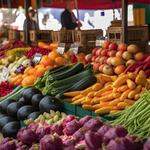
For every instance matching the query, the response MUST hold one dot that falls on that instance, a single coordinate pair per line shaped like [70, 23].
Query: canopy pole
[26, 31]
[76, 5]
[125, 21]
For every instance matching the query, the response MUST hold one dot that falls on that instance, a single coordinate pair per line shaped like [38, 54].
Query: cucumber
[69, 72]
[73, 79]
[80, 85]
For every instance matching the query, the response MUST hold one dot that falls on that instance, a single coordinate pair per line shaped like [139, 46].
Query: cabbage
[42, 131]
[81, 145]
[68, 119]
[147, 145]
[103, 130]
[27, 136]
[8, 144]
[113, 133]
[79, 135]
[85, 119]
[57, 129]
[93, 140]
[121, 144]
[71, 127]
[68, 142]
[51, 142]
[93, 124]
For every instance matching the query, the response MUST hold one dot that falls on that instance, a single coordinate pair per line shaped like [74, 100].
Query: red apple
[94, 51]
[98, 52]
[93, 58]
[109, 61]
[122, 47]
[104, 52]
[101, 67]
[113, 46]
[112, 53]
[119, 54]
[97, 59]
[106, 44]
[103, 60]
[88, 58]
[96, 67]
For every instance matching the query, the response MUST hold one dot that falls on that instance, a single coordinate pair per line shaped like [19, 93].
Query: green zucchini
[80, 85]
[67, 73]
[72, 79]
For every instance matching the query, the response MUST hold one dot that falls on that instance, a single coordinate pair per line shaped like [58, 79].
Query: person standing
[68, 19]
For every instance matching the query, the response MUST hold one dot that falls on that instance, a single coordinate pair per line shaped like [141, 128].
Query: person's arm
[66, 21]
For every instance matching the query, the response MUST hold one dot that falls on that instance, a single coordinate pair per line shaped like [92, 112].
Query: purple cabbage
[20, 69]
[85, 119]
[27, 136]
[57, 129]
[71, 127]
[51, 142]
[68, 119]
[8, 144]
[93, 140]
[120, 144]
[147, 145]
[113, 133]
[42, 131]
[93, 124]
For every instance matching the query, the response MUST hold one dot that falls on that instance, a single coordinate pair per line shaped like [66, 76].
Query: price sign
[37, 58]
[61, 48]
[5, 74]
[99, 41]
[75, 47]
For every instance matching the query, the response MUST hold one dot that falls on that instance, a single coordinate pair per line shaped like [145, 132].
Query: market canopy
[92, 4]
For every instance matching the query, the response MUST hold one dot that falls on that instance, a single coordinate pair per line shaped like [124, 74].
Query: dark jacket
[68, 20]
[31, 24]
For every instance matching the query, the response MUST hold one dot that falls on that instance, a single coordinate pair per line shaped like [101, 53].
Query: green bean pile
[136, 119]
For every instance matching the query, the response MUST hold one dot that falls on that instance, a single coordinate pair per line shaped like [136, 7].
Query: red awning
[94, 4]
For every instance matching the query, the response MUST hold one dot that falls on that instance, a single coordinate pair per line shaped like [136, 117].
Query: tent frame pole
[124, 21]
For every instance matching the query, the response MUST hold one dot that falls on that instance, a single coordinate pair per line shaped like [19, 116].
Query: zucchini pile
[67, 78]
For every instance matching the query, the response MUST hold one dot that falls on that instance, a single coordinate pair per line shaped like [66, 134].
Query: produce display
[114, 59]
[111, 93]
[73, 134]
[30, 103]
[66, 78]
[112, 83]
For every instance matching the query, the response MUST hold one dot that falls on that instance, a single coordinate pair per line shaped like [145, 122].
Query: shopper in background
[29, 22]
[68, 19]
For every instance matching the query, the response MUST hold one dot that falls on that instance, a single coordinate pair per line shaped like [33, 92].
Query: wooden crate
[136, 35]
[87, 38]
[22, 36]
[63, 36]
[13, 34]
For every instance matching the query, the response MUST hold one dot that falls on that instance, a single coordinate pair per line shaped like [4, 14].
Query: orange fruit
[29, 80]
[40, 71]
[46, 61]
[60, 61]
[119, 69]
[53, 55]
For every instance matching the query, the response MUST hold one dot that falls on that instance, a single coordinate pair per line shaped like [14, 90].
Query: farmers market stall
[53, 100]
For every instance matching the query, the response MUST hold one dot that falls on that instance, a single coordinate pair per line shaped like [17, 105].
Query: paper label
[5, 74]
[61, 48]
[37, 58]
[75, 47]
